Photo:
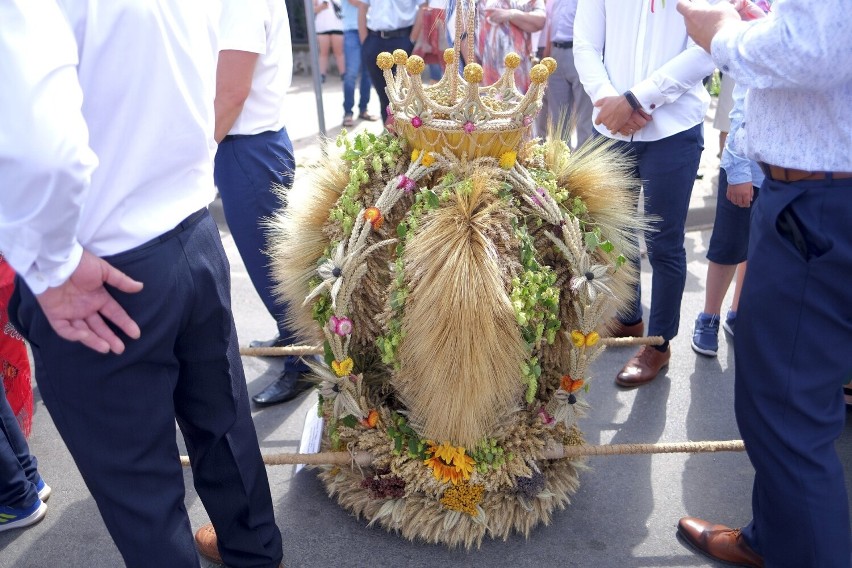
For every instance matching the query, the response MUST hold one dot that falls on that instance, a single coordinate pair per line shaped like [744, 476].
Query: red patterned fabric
[14, 364]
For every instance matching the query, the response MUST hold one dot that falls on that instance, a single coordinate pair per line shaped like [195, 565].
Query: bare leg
[337, 49]
[719, 278]
[323, 43]
[741, 270]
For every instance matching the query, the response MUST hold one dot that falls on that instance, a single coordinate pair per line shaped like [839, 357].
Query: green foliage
[488, 454]
[368, 155]
[405, 439]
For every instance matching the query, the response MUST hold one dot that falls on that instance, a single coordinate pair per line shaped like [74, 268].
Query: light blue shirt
[387, 15]
[560, 17]
[737, 166]
[797, 66]
[350, 15]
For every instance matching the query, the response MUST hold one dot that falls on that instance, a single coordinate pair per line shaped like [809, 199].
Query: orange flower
[570, 385]
[371, 419]
[373, 216]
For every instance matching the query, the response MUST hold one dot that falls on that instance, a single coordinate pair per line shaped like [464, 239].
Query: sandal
[348, 120]
[367, 116]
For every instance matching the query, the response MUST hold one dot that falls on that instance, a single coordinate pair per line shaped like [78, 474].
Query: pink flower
[406, 183]
[528, 120]
[342, 326]
[469, 127]
[546, 418]
[416, 122]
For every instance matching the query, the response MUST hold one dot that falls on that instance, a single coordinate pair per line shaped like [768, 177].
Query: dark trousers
[246, 169]
[667, 168]
[794, 329]
[370, 49]
[18, 468]
[116, 413]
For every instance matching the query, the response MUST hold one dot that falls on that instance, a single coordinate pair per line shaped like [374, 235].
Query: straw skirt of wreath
[458, 276]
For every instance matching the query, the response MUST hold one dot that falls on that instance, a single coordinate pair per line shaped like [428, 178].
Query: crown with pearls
[457, 113]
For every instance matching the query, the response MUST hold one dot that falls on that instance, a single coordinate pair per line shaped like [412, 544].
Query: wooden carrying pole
[364, 459]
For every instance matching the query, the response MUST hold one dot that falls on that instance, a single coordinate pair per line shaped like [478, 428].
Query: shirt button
[725, 68]
[653, 106]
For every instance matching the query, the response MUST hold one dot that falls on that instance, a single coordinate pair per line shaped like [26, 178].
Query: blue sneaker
[11, 518]
[730, 322]
[43, 490]
[705, 335]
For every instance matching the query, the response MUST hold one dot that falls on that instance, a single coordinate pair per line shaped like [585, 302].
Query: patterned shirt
[797, 65]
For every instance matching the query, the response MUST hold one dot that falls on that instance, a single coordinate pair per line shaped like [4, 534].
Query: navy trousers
[667, 168]
[116, 413]
[18, 468]
[371, 48]
[794, 329]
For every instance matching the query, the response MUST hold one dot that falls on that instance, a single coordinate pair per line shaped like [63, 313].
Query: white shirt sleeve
[243, 25]
[45, 160]
[589, 39]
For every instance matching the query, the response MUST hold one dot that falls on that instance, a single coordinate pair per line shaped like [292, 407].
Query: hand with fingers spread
[76, 310]
[740, 194]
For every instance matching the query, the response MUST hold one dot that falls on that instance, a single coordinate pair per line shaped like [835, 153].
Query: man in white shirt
[385, 25]
[255, 155]
[648, 95]
[794, 325]
[123, 290]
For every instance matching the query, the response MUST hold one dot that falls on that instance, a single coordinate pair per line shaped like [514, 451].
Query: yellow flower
[428, 159]
[507, 160]
[463, 498]
[415, 154]
[584, 340]
[343, 368]
[449, 463]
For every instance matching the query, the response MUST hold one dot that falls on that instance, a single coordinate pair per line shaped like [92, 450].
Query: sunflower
[449, 463]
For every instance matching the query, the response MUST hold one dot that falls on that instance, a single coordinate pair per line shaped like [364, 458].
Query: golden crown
[456, 113]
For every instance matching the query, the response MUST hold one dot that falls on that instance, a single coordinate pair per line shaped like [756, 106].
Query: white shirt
[647, 53]
[387, 15]
[101, 86]
[262, 27]
[797, 66]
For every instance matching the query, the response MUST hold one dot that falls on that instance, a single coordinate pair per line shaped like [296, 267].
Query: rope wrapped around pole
[364, 459]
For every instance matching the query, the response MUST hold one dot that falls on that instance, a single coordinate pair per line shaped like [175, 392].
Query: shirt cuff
[648, 95]
[39, 279]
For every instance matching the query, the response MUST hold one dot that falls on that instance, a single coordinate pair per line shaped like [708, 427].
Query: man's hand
[740, 194]
[614, 114]
[703, 20]
[76, 309]
[638, 119]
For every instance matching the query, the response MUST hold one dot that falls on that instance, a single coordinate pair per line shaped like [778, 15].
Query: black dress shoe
[287, 386]
[274, 342]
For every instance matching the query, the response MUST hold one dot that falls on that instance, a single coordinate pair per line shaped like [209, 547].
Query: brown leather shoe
[718, 542]
[643, 367]
[621, 330]
[205, 542]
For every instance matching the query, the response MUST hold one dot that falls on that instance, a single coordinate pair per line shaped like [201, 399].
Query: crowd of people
[103, 217]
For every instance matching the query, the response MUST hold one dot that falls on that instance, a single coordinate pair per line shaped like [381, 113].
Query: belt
[387, 34]
[563, 44]
[790, 175]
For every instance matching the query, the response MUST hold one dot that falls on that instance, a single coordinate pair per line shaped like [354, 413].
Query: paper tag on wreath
[311, 434]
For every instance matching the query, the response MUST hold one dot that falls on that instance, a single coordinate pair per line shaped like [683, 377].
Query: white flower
[592, 278]
[330, 271]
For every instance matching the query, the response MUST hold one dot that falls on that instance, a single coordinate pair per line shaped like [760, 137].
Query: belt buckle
[387, 34]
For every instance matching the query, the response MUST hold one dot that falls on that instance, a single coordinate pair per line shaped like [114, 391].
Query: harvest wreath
[458, 276]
